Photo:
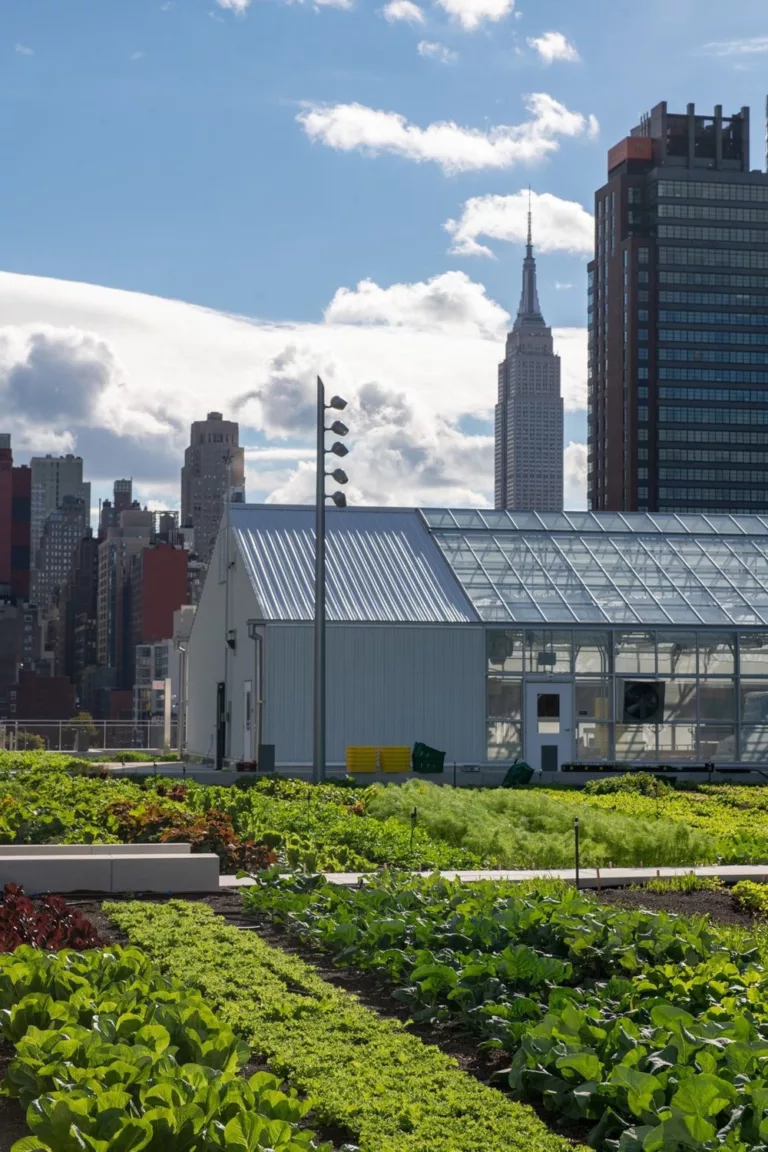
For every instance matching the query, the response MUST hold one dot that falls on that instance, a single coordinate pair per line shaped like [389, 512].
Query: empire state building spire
[529, 310]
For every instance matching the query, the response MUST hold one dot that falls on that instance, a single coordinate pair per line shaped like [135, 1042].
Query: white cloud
[553, 46]
[449, 303]
[560, 287]
[558, 225]
[23, 50]
[575, 475]
[750, 46]
[404, 10]
[470, 14]
[136, 56]
[436, 51]
[119, 377]
[237, 6]
[354, 127]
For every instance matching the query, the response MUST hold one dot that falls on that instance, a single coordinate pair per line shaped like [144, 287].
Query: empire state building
[529, 412]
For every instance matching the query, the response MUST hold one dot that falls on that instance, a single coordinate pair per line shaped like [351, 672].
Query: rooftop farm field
[46, 799]
[648, 1030]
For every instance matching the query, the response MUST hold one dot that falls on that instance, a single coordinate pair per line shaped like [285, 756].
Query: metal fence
[96, 736]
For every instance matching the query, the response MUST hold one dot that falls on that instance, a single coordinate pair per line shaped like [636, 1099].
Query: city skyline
[387, 282]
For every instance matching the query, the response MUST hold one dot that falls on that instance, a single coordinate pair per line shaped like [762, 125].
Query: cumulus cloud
[552, 46]
[558, 225]
[470, 14]
[436, 51]
[403, 10]
[23, 50]
[237, 6]
[170, 362]
[575, 475]
[357, 128]
[449, 303]
[59, 375]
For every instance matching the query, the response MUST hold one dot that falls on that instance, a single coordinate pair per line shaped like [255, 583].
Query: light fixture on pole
[337, 404]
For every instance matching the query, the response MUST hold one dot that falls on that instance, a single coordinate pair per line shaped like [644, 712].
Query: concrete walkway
[588, 877]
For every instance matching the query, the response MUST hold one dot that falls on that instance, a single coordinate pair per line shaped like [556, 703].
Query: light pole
[340, 500]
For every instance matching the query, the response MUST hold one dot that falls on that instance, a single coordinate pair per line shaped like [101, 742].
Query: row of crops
[47, 798]
[648, 1031]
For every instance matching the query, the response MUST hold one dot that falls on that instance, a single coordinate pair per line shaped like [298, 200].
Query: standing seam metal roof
[382, 566]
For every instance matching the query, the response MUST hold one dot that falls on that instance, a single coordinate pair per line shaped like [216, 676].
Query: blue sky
[164, 148]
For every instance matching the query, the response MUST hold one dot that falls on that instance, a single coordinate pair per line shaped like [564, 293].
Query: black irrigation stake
[414, 818]
[576, 848]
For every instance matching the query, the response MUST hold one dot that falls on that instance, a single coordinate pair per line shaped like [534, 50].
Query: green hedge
[369, 1075]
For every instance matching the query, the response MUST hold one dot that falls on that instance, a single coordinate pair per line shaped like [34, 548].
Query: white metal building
[557, 637]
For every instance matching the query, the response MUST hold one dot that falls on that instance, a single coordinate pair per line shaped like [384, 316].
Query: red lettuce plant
[50, 924]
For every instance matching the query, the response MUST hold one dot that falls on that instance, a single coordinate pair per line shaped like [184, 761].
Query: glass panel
[548, 651]
[525, 520]
[466, 518]
[753, 653]
[497, 520]
[635, 742]
[754, 743]
[593, 698]
[438, 518]
[504, 650]
[717, 700]
[717, 742]
[504, 698]
[503, 740]
[680, 700]
[676, 653]
[593, 742]
[635, 652]
[592, 652]
[754, 702]
[717, 653]
[677, 742]
[639, 701]
[548, 713]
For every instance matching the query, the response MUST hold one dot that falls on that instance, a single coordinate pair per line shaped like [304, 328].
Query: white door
[247, 720]
[548, 725]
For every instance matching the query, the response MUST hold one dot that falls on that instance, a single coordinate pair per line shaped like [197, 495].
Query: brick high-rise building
[213, 465]
[529, 412]
[15, 514]
[678, 320]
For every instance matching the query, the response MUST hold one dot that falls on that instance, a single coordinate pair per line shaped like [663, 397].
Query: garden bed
[720, 906]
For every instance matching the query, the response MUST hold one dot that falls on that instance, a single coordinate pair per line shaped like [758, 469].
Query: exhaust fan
[643, 701]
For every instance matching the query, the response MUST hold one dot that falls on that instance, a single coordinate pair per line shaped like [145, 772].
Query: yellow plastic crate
[362, 759]
[395, 759]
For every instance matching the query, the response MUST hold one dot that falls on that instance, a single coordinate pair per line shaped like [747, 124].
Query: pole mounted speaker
[643, 701]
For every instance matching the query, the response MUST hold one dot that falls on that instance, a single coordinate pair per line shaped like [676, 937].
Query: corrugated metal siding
[385, 686]
[382, 566]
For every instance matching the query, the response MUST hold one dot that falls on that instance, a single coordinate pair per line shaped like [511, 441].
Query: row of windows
[730, 395]
[716, 212]
[702, 232]
[747, 319]
[713, 415]
[708, 455]
[732, 509]
[705, 436]
[733, 475]
[759, 496]
[694, 336]
[713, 257]
[713, 279]
[717, 375]
[695, 190]
[731, 299]
[712, 356]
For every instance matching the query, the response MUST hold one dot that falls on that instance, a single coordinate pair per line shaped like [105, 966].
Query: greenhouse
[560, 638]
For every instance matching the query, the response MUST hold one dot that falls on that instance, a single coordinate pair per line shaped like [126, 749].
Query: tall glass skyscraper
[678, 320]
[529, 412]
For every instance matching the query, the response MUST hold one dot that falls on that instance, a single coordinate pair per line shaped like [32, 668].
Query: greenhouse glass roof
[608, 568]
